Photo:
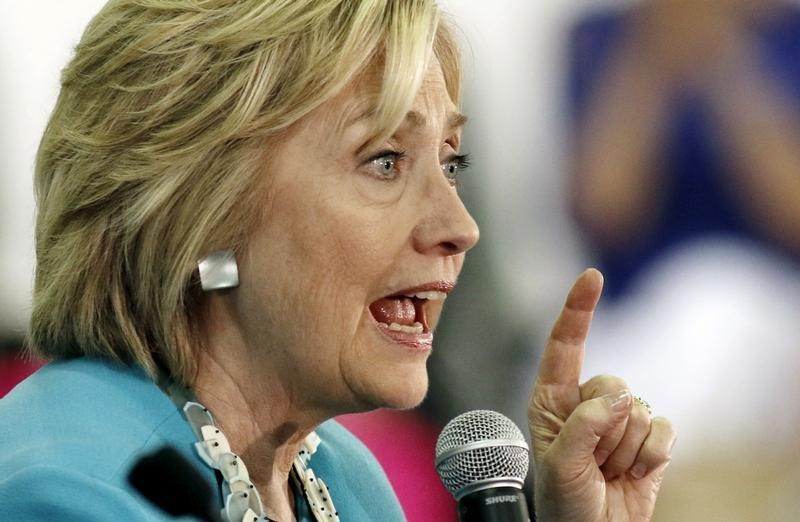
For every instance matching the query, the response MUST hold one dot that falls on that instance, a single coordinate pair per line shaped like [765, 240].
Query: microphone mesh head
[480, 446]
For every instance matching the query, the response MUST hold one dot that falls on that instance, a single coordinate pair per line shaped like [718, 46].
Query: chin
[411, 399]
[400, 392]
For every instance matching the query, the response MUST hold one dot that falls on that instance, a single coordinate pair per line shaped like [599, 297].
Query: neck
[261, 425]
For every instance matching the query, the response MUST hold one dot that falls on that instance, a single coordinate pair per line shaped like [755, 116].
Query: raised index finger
[562, 359]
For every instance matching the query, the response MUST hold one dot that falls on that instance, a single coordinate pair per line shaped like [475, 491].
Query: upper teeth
[431, 295]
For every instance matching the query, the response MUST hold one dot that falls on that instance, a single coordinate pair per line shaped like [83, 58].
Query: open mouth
[406, 311]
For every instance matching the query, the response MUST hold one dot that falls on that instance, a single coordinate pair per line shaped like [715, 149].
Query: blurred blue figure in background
[686, 125]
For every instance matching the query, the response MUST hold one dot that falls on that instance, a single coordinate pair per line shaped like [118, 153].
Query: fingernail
[638, 471]
[618, 401]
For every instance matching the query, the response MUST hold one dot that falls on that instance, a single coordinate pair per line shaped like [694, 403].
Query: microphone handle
[499, 504]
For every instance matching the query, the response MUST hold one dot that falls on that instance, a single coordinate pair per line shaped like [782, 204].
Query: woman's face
[353, 240]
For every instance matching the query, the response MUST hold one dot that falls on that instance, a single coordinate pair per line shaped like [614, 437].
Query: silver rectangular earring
[218, 271]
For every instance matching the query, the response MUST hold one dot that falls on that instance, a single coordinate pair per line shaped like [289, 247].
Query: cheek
[325, 252]
[327, 273]
[357, 249]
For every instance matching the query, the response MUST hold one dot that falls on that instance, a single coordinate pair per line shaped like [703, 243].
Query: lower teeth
[416, 328]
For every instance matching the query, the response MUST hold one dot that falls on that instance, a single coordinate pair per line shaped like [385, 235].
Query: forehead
[433, 95]
[431, 104]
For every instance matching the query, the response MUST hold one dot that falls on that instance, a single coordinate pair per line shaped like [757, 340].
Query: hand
[599, 455]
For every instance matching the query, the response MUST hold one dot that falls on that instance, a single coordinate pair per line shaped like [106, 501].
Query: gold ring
[644, 403]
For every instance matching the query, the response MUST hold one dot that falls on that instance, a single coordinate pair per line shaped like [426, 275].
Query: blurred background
[656, 139]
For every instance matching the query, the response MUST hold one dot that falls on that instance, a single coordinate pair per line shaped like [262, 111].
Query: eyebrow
[454, 119]
[417, 119]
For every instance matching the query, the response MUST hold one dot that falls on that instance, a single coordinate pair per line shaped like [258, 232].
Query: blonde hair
[156, 144]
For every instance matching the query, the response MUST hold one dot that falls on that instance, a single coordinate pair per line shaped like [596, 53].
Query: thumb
[589, 422]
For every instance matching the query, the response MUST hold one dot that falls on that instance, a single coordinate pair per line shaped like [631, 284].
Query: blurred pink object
[403, 442]
[13, 369]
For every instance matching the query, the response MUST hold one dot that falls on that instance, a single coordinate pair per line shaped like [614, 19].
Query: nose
[447, 228]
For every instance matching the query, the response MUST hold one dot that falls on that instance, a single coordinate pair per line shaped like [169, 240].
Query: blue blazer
[71, 432]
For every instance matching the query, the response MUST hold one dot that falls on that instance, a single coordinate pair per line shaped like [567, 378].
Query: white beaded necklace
[242, 500]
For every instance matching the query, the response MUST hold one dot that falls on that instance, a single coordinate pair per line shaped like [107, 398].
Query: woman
[306, 153]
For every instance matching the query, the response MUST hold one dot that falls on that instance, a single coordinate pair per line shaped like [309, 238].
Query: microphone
[172, 483]
[482, 459]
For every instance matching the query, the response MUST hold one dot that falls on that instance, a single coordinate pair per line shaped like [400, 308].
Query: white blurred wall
[36, 39]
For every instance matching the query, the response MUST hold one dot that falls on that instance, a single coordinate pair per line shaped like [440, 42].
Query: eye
[454, 166]
[384, 165]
